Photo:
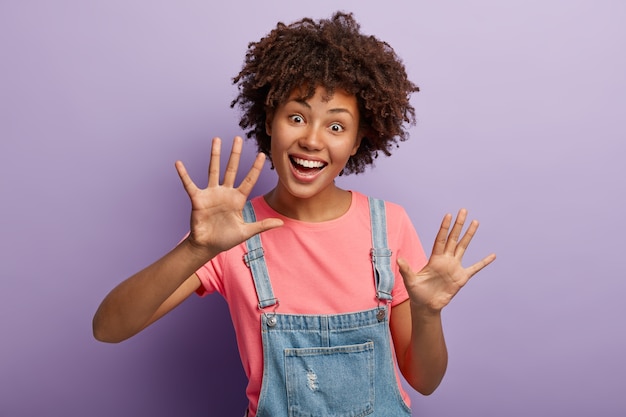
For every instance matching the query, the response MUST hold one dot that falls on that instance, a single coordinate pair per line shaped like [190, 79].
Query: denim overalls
[329, 365]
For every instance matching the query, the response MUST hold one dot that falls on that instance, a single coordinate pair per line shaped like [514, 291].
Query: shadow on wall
[194, 358]
[187, 363]
[194, 350]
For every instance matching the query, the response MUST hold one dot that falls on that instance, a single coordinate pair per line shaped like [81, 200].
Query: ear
[357, 143]
[268, 123]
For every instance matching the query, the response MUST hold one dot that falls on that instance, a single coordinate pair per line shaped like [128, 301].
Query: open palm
[444, 275]
[216, 211]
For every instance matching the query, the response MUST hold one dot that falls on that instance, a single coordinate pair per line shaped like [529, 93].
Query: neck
[334, 203]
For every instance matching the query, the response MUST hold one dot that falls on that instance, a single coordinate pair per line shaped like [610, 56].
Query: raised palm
[216, 211]
[444, 275]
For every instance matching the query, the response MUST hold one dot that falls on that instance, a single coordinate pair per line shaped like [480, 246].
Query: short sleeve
[405, 243]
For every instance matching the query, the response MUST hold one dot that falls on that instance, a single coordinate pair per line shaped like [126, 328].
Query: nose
[312, 139]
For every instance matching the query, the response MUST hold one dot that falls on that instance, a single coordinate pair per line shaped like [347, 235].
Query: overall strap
[255, 260]
[381, 254]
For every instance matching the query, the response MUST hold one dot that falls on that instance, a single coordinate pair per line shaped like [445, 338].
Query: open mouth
[306, 166]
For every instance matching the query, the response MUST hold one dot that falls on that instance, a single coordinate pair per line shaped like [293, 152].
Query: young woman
[328, 289]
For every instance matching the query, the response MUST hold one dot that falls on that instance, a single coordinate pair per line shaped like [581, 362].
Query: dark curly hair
[334, 54]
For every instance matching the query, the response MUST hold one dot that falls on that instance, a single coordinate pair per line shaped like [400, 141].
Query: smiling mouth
[306, 165]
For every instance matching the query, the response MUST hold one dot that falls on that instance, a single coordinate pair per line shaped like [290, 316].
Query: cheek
[276, 149]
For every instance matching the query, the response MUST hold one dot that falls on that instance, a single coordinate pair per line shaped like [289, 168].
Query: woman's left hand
[443, 276]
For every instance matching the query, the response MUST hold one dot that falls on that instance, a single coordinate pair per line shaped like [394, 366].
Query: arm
[416, 324]
[216, 225]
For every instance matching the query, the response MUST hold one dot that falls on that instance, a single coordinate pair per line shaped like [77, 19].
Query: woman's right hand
[216, 211]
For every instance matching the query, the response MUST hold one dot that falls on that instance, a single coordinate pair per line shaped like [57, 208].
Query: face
[312, 140]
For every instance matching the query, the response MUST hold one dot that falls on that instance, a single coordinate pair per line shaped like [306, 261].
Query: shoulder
[395, 212]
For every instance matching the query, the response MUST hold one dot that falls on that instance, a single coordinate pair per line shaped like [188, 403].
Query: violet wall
[521, 120]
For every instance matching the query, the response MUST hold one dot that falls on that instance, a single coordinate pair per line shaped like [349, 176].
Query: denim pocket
[330, 381]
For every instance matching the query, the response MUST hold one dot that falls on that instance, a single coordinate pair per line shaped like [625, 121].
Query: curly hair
[334, 54]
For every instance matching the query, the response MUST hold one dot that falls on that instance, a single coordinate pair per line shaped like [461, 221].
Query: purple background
[521, 120]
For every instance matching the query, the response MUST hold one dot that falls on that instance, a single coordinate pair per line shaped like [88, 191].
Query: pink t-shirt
[314, 268]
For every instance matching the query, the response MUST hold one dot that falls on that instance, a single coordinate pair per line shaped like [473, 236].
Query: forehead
[322, 95]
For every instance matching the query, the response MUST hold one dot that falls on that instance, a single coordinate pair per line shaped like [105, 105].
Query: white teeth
[308, 164]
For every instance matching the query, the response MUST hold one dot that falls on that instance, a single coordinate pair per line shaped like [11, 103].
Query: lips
[306, 169]
[307, 163]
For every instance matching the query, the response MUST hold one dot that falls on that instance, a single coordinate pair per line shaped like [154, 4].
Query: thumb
[405, 268]
[270, 223]
[263, 225]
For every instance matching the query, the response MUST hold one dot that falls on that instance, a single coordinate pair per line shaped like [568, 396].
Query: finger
[251, 178]
[263, 226]
[442, 235]
[405, 268]
[214, 163]
[466, 239]
[474, 269]
[455, 233]
[233, 162]
[188, 184]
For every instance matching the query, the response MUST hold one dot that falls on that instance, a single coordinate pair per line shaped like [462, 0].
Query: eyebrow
[335, 110]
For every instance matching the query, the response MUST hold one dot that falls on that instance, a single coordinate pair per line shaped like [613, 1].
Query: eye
[296, 118]
[336, 128]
